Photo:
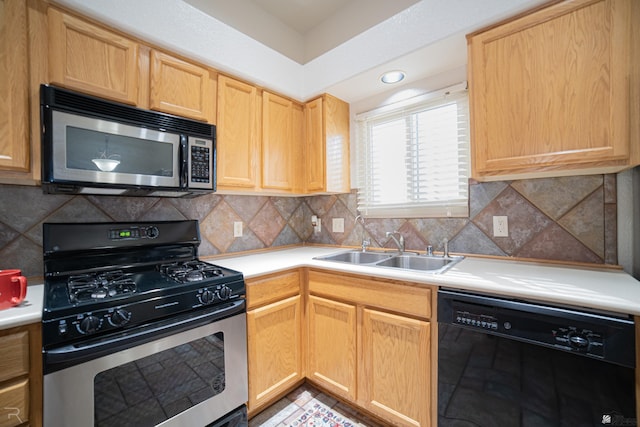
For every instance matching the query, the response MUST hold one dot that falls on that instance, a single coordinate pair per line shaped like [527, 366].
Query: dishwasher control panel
[591, 334]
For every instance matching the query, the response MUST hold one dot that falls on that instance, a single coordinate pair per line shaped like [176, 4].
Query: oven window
[100, 151]
[153, 389]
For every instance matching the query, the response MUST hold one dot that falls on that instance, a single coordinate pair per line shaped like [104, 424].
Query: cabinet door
[91, 59]
[327, 145]
[550, 90]
[314, 155]
[337, 167]
[14, 84]
[180, 87]
[298, 142]
[238, 144]
[277, 147]
[274, 350]
[395, 376]
[332, 346]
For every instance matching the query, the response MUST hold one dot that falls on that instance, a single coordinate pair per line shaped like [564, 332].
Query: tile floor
[286, 411]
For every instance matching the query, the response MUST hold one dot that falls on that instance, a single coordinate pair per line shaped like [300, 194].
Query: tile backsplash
[567, 219]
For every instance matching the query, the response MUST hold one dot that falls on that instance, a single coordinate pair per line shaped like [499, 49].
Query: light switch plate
[237, 229]
[338, 225]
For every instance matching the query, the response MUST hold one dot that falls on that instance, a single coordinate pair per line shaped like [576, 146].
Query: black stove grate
[98, 286]
[190, 271]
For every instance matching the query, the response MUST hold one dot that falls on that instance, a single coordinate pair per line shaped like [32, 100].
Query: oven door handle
[74, 354]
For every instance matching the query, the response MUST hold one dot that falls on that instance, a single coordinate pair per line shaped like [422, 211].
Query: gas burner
[97, 286]
[190, 271]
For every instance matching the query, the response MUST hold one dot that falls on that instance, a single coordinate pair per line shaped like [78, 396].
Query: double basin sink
[406, 261]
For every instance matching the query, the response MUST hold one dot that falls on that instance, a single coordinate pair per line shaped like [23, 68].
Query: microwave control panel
[200, 163]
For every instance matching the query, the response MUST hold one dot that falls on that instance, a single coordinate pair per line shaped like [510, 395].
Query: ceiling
[301, 29]
[302, 48]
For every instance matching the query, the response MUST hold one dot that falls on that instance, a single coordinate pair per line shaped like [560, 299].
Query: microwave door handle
[184, 166]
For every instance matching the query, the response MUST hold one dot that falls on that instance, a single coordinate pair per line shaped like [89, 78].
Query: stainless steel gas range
[137, 331]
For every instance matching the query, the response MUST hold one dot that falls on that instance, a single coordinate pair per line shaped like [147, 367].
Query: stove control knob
[207, 297]
[120, 317]
[578, 341]
[153, 232]
[89, 324]
[224, 292]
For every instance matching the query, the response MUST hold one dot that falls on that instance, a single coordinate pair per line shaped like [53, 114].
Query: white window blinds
[413, 157]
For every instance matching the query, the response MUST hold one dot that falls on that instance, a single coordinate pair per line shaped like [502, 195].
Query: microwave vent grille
[123, 113]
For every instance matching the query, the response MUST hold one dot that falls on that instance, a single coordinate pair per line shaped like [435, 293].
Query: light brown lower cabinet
[394, 380]
[366, 340]
[21, 376]
[274, 334]
[332, 346]
[369, 342]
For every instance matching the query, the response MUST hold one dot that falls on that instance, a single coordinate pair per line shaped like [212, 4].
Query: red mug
[13, 288]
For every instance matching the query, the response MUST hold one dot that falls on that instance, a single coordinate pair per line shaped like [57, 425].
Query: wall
[571, 219]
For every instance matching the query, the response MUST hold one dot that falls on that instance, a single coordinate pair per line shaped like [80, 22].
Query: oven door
[193, 376]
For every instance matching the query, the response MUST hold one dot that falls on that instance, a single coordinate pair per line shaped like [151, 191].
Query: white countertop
[602, 289]
[596, 288]
[28, 311]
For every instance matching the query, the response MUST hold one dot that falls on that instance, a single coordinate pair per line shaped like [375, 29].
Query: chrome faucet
[445, 252]
[365, 242]
[399, 242]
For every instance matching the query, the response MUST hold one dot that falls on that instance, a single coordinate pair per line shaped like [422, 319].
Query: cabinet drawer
[272, 288]
[414, 300]
[14, 403]
[14, 355]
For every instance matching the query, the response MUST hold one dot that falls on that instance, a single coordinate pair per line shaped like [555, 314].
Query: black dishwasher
[507, 362]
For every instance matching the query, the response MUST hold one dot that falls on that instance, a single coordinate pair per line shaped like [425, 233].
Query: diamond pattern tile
[568, 218]
[471, 240]
[556, 243]
[246, 207]
[124, 208]
[339, 210]
[525, 220]
[556, 196]
[586, 222]
[217, 227]
[267, 224]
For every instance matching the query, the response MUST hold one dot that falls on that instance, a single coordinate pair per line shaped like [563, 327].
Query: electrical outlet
[237, 229]
[318, 227]
[500, 226]
[338, 225]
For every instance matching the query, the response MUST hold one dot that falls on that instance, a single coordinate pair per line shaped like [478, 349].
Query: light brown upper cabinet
[92, 59]
[181, 88]
[95, 60]
[14, 88]
[326, 156]
[556, 92]
[278, 145]
[238, 140]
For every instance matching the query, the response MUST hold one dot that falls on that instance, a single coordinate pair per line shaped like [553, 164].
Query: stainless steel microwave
[95, 146]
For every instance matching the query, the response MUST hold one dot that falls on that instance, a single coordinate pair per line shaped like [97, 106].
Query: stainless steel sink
[357, 257]
[431, 264]
[412, 261]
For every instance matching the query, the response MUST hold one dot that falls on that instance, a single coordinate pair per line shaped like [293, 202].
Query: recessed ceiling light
[391, 77]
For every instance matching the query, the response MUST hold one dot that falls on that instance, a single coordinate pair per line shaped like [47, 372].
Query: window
[413, 157]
